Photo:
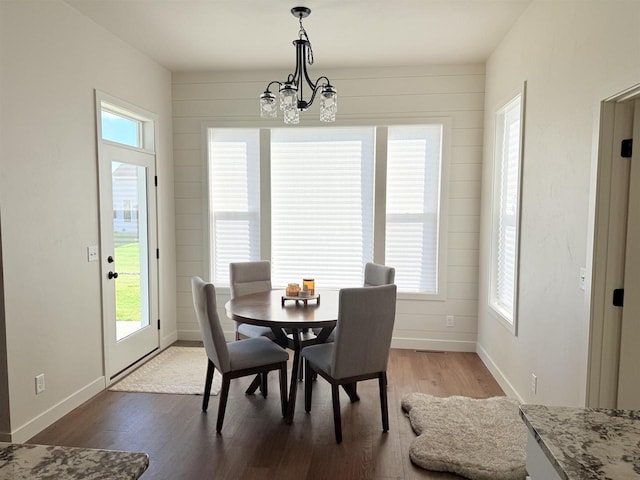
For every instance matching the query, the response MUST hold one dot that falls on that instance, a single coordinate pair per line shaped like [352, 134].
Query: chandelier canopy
[292, 90]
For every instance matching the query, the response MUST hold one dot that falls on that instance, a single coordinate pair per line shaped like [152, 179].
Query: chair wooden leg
[337, 421]
[263, 384]
[207, 385]
[222, 406]
[382, 382]
[283, 389]
[308, 385]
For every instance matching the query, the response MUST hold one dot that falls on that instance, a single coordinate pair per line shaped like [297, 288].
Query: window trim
[499, 313]
[379, 218]
[129, 111]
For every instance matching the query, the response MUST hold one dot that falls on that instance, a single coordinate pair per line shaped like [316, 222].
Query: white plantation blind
[414, 156]
[234, 196]
[321, 205]
[506, 206]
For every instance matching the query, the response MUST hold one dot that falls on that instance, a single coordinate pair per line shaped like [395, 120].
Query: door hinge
[626, 148]
[618, 297]
[158, 324]
[157, 253]
[155, 179]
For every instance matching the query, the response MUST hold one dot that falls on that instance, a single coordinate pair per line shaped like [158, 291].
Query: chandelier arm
[271, 83]
[313, 95]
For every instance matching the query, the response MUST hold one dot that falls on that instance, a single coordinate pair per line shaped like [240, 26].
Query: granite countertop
[587, 443]
[46, 462]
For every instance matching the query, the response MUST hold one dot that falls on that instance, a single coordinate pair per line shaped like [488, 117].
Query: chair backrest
[205, 304]
[375, 274]
[246, 278]
[363, 333]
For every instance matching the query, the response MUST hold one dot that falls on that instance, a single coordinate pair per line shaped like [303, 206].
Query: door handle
[111, 275]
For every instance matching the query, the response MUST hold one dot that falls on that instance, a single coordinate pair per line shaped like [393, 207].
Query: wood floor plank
[256, 443]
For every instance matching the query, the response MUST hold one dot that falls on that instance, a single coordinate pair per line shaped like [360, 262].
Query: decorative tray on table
[299, 298]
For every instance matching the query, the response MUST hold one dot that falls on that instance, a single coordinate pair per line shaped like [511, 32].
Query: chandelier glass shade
[291, 92]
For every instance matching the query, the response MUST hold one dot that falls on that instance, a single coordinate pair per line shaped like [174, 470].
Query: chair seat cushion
[319, 356]
[254, 331]
[254, 352]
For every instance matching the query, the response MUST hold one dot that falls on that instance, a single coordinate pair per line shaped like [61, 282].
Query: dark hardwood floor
[255, 442]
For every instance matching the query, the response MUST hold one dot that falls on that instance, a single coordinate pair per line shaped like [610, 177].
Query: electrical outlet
[39, 384]
[450, 321]
[534, 383]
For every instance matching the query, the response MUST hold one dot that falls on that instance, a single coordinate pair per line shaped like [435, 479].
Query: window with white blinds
[506, 198]
[413, 205]
[234, 199]
[322, 193]
[321, 205]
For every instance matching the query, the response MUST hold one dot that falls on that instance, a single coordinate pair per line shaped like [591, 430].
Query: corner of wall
[495, 371]
[5, 418]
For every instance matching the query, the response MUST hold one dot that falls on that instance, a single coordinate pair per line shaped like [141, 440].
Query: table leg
[293, 387]
[257, 382]
[350, 388]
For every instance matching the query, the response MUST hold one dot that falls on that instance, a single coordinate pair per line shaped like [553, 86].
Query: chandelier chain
[302, 34]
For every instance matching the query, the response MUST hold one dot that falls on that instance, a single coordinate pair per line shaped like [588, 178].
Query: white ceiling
[186, 35]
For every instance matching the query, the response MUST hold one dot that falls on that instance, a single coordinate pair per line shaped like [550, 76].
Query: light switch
[92, 253]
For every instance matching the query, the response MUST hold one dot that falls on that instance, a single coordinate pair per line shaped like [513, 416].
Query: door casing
[149, 121]
[609, 245]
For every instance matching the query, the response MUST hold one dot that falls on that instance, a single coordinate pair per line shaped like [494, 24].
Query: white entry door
[129, 263]
[629, 373]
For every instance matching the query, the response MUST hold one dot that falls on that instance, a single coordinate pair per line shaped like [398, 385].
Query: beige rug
[179, 370]
[477, 439]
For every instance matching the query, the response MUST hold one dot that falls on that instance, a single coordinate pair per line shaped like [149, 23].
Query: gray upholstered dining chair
[349, 359]
[246, 278]
[376, 274]
[234, 359]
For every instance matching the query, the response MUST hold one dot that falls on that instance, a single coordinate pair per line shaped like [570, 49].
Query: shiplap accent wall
[366, 96]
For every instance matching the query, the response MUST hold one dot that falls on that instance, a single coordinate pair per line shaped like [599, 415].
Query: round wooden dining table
[268, 309]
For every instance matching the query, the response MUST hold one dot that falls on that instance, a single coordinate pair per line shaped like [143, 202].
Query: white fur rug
[478, 439]
[179, 370]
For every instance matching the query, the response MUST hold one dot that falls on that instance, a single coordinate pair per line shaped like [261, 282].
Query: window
[234, 199]
[120, 128]
[315, 210]
[321, 204]
[413, 206]
[506, 211]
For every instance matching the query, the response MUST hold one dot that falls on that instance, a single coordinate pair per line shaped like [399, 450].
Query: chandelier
[292, 90]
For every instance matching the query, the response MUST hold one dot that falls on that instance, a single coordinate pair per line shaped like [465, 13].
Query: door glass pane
[130, 248]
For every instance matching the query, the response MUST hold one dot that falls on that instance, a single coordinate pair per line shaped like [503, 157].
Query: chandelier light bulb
[268, 105]
[328, 104]
[288, 96]
[291, 116]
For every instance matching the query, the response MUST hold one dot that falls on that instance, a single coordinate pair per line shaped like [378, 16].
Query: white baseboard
[497, 374]
[434, 345]
[396, 342]
[195, 336]
[55, 413]
[167, 340]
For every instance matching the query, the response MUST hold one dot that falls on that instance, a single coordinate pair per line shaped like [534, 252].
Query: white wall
[366, 96]
[52, 58]
[572, 54]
